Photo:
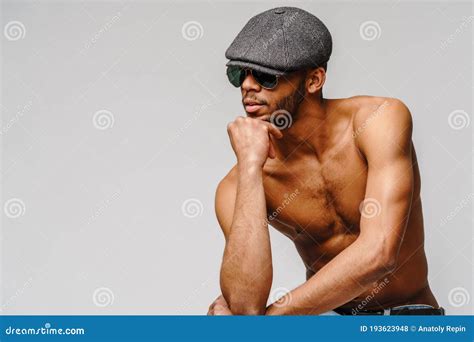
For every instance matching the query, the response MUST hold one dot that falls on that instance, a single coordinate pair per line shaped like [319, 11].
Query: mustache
[253, 99]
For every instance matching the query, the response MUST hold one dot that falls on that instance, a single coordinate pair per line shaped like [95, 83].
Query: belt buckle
[416, 309]
[379, 312]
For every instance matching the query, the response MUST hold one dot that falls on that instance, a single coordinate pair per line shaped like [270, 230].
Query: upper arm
[225, 201]
[385, 141]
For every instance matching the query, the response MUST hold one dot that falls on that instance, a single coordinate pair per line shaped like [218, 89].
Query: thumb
[271, 150]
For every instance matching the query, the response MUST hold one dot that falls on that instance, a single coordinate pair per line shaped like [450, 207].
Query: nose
[249, 83]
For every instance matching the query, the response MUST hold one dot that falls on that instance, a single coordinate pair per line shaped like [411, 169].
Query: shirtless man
[339, 177]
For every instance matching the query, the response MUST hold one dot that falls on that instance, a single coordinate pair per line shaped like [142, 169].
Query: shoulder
[371, 106]
[382, 124]
[381, 118]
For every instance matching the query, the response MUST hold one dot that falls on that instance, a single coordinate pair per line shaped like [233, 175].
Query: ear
[315, 80]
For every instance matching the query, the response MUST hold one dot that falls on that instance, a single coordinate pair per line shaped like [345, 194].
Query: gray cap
[281, 40]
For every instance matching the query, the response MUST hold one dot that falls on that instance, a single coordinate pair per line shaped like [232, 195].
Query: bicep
[224, 205]
[387, 146]
[388, 197]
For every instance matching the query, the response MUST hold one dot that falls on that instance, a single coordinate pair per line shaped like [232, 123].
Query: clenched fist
[250, 139]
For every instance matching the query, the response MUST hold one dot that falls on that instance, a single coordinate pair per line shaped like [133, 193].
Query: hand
[219, 307]
[250, 139]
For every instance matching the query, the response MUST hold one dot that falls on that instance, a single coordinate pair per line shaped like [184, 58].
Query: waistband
[409, 309]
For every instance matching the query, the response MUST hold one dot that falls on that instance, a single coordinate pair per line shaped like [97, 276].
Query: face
[287, 95]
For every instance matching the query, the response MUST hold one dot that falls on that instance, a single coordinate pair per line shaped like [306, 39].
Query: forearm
[246, 272]
[350, 273]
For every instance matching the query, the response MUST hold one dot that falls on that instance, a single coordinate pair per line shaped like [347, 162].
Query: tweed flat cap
[281, 40]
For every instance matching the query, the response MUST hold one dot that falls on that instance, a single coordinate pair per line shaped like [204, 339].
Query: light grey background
[121, 220]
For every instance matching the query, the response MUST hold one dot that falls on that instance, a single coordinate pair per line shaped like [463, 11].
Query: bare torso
[314, 200]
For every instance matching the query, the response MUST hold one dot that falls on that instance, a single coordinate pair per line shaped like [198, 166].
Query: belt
[410, 309]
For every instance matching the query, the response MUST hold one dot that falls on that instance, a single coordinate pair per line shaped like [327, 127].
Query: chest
[316, 199]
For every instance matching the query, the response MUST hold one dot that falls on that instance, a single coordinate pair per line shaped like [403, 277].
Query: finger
[273, 130]
[213, 306]
[221, 313]
[221, 300]
[265, 117]
[221, 310]
[271, 151]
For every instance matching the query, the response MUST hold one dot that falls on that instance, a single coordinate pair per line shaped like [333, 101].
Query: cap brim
[256, 67]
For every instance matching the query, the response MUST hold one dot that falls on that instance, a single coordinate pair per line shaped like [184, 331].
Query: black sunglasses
[237, 76]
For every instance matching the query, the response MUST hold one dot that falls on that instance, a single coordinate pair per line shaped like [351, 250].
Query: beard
[292, 102]
[287, 108]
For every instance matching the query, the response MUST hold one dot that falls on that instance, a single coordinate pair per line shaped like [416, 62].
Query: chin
[257, 114]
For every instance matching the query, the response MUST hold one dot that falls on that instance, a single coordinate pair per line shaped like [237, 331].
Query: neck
[309, 132]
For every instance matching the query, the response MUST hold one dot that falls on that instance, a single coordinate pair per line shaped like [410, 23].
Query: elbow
[382, 261]
[245, 306]
[388, 265]
[244, 298]
[385, 262]
[246, 309]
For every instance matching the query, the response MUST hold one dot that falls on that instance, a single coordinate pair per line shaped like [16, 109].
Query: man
[337, 176]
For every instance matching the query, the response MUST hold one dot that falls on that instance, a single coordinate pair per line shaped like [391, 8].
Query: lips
[252, 108]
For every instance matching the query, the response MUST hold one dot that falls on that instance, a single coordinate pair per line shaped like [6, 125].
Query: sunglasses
[237, 76]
